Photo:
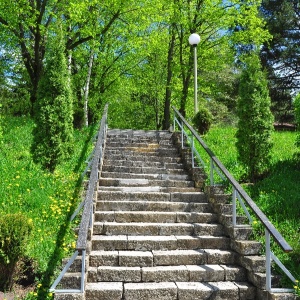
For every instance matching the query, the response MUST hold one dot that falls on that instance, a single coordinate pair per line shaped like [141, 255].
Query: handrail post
[234, 207]
[268, 261]
[211, 172]
[193, 160]
[174, 121]
[83, 254]
[182, 134]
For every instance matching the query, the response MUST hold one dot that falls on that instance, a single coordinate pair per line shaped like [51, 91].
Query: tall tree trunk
[86, 89]
[166, 120]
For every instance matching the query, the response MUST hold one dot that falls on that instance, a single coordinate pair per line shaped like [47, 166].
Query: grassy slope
[277, 195]
[48, 199]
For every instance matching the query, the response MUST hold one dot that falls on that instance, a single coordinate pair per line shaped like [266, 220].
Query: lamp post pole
[194, 40]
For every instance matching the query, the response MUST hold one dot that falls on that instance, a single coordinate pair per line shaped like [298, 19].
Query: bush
[53, 134]
[202, 120]
[14, 232]
[297, 117]
[255, 123]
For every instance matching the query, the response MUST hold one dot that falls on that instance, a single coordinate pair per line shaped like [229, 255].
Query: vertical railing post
[181, 134]
[211, 172]
[193, 163]
[234, 207]
[268, 261]
[174, 121]
[83, 254]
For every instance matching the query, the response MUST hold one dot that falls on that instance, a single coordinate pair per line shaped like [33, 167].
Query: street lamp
[194, 40]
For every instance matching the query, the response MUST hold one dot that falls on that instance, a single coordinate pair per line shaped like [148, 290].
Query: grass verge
[48, 199]
[277, 195]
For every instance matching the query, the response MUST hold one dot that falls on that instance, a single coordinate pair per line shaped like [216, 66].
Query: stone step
[133, 133]
[155, 150]
[144, 228]
[150, 206]
[170, 291]
[132, 195]
[148, 164]
[135, 258]
[142, 170]
[148, 189]
[142, 182]
[180, 273]
[156, 176]
[171, 242]
[154, 217]
[115, 156]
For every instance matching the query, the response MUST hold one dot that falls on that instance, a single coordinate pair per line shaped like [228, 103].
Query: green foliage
[297, 115]
[53, 134]
[255, 123]
[17, 102]
[14, 233]
[203, 120]
[1, 120]
[277, 195]
[49, 199]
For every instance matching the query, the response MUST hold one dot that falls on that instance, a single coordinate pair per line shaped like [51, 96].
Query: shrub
[53, 134]
[202, 120]
[14, 232]
[255, 123]
[1, 131]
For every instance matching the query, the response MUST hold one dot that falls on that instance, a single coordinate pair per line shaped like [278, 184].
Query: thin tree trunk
[86, 89]
[166, 120]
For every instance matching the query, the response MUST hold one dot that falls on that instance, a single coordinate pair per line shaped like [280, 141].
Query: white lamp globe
[194, 39]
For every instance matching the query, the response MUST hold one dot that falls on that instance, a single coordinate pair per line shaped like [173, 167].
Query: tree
[28, 24]
[255, 123]
[281, 55]
[297, 115]
[53, 133]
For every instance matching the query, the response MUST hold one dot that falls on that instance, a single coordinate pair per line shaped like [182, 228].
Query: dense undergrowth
[46, 199]
[277, 195]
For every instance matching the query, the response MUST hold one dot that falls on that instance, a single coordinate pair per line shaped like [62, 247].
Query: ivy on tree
[255, 123]
[53, 133]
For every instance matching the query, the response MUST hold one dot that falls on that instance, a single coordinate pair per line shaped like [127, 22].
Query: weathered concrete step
[182, 273]
[170, 291]
[171, 242]
[161, 151]
[142, 182]
[197, 197]
[133, 258]
[142, 170]
[148, 189]
[162, 206]
[149, 164]
[131, 228]
[154, 217]
[70, 281]
[137, 157]
[132, 133]
[156, 176]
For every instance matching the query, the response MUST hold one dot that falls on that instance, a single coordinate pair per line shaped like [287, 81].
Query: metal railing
[87, 214]
[238, 193]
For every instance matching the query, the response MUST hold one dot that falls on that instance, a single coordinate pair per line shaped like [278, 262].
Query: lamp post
[194, 40]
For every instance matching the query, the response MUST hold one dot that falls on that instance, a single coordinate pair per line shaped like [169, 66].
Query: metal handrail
[240, 194]
[87, 204]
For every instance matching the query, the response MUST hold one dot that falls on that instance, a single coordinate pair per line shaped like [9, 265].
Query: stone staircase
[158, 236]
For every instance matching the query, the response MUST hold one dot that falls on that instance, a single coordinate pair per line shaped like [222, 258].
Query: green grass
[47, 198]
[277, 195]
